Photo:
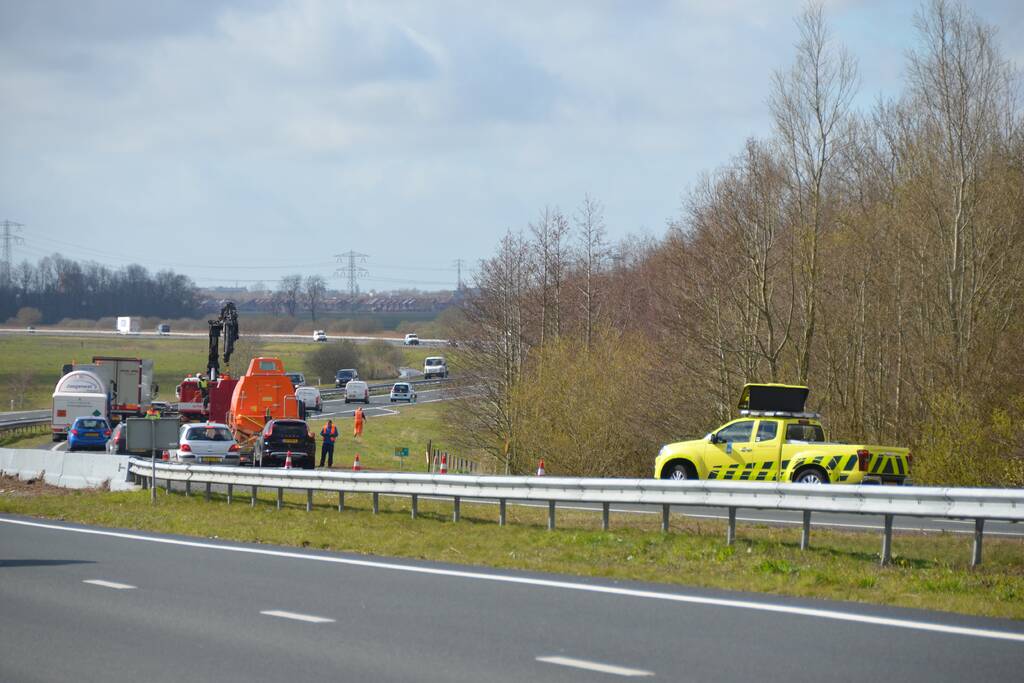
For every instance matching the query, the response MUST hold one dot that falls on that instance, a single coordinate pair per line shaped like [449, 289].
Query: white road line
[297, 617]
[109, 584]
[57, 446]
[594, 666]
[834, 615]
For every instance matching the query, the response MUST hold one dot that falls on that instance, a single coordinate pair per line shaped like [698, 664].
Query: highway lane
[92, 604]
[300, 338]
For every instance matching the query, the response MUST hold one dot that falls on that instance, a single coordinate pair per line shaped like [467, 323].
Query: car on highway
[435, 366]
[117, 444]
[298, 379]
[343, 377]
[163, 407]
[280, 437]
[208, 443]
[30, 329]
[89, 433]
[163, 328]
[311, 398]
[319, 335]
[412, 339]
[403, 391]
[358, 391]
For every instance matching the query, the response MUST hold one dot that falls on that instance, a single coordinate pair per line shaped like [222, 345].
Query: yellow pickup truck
[775, 439]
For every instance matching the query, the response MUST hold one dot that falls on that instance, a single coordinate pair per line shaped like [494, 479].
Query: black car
[343, 377]
[281, 436]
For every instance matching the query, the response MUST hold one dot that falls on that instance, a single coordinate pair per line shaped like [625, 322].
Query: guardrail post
[605, 508]
[188, 487]
[252, 500]
[206, 494]
[551, 515]
[501, 512]
[887, 541]
[455, 508]
[341, 501]
[280, 497]
[415, 505]
[231, 489]
[664, 517]
[979, 530]
[309, 500]
[730, 533]
[376, 502]
[805, 536]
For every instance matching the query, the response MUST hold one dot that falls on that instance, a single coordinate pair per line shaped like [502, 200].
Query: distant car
[435, 366]
[403, 391]
[278, 438]
[207, 443]
[319, 335]
[412, 339]
[88, 433]
[163, 407]
[343, 377]
[298, 379]
[163, 328]
[30, 329]
[357, 390]
[310, 396]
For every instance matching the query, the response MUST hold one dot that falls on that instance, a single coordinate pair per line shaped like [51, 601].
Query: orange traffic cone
[444, 464]
[356, 465]
[288, 461]
[540, 468]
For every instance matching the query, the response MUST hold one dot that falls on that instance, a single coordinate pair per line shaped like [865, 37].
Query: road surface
[84, 603]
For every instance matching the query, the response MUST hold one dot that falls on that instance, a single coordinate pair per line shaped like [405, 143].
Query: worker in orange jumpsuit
[359, 419]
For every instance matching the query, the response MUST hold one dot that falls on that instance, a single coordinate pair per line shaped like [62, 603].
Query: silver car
[403, 391]
[206, 443]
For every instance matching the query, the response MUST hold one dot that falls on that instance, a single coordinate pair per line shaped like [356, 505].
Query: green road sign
[401, 452]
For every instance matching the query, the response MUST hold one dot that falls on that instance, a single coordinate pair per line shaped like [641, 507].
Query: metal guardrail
[22, 425]
[947, 503]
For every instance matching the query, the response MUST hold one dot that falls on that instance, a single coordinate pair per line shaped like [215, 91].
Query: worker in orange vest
[359, 419]
[330, 435]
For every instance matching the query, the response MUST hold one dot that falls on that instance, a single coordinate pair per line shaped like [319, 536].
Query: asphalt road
[379, 405]
[300, 338]
[91, 604]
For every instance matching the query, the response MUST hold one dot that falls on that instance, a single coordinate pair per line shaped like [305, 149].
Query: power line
[8, 239]
[352, 271]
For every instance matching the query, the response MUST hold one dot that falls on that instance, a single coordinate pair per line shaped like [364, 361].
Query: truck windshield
[434, 361]
[805, 433]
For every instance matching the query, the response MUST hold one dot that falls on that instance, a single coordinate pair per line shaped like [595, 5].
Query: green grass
[173, 358]
[930, 571]
[412, 428]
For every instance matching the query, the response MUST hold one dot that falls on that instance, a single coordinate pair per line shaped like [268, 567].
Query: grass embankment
[412, 428]
[930, 571]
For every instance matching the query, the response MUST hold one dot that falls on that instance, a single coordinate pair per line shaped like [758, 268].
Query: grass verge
[929, 571]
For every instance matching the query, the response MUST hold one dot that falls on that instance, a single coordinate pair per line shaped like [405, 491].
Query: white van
[311, 397]
[357, 390]
[435, 366]
[319, 335]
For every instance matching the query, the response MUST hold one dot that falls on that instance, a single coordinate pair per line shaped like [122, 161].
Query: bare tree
[550, 234]
[313, 294]
[592, 252]
[810, 105]
[289, 290]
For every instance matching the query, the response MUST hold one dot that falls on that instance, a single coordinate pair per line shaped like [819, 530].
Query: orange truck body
[263, 393]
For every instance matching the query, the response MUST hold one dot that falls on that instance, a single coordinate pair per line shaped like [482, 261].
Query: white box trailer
[128, 325]
[79, 393]
[128, 382]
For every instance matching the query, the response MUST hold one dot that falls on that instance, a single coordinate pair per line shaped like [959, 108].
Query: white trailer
[79, 393]
[127, 325]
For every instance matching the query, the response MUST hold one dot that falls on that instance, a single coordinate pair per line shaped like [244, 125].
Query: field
[929, 571]
[31, 365]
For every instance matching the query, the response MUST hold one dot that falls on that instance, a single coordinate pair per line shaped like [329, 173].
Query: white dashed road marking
[594, 666]
[109, 584]
[297, 617]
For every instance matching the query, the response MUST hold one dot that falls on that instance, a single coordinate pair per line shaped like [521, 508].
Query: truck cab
[775, 439]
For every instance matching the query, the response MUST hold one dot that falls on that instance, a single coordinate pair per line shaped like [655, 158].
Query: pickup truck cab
[774, 439]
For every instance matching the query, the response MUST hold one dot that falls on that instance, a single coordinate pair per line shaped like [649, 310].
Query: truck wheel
[811, 475]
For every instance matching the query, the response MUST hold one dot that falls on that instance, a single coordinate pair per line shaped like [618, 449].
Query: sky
[238, 141]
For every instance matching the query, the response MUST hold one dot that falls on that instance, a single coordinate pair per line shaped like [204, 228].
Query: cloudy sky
[239, 141]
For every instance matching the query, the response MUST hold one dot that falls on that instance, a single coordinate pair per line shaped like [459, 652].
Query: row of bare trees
[877, 256]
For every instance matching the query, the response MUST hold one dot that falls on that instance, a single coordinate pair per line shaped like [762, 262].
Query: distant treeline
[60, 288]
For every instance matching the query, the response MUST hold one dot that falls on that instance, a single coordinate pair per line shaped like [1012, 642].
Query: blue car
[88, 432]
